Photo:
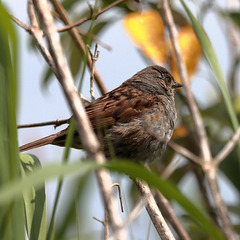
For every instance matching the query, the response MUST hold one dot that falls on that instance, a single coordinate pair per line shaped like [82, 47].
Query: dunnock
[135, 120]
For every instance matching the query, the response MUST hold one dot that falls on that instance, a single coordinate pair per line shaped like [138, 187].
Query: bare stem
[227, 148]
[153, 211]
[55, 123]
[92, 16]
[207, 165]
[119, 194]
[210, 172]
[94, 57]
[79, 42]
[197, 120]
[168, 212]
[184, 152]
[21, 24]
[83, 127]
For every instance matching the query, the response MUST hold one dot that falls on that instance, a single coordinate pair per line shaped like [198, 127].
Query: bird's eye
[168, 81]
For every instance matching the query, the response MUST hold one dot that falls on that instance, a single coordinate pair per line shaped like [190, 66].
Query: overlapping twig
[83, 127]
[154, 212]
[208, 165]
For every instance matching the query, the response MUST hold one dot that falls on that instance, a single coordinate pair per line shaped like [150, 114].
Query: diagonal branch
[184, 152]
[227, 148]
[89, 140]
[196, 116]
[153, 211]
[208, 166]
[83, 20]
[79, 42]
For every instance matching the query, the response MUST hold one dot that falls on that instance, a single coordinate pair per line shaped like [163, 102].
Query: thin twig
[200, 177]
[56, 123]
[94, 57]
[105, 223]
[83, 127]
[227, 148]
[210, 172]
[153, 211]
[184, 152]
[90, 17]
[119, 194]
[171, 167]
[96, 39]
[169, 214]
[21, 24]
[134, 214]
[37, 36]
[207, 166]
[197, 120]
[79, 42]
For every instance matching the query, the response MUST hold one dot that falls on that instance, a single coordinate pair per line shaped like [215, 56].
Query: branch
[83, 20]
[21, 24]
[221, 209]
[227, 148]
[197, 120]
[169, 214]
[37, 36]
[79, 42]
[94, 57]
[207, 165]
[83, 127]
[184, 152]
[55, 123]
[153, 211]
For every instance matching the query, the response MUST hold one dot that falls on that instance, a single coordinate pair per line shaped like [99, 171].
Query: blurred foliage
[156, 45]
[11, 212]
[153, 42]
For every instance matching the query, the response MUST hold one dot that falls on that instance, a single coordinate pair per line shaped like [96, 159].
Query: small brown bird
[135, 120]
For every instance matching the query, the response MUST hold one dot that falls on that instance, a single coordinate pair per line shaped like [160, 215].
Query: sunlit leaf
[179, 132]
[190, 49]
[146, 30]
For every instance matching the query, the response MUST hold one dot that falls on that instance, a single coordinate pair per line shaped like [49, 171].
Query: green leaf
[34, 200]
[37, 179]
[233, 15]
[11, 212]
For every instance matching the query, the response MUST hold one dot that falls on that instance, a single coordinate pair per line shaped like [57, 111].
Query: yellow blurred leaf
[179, 132]
[146, 30]
[191, 51]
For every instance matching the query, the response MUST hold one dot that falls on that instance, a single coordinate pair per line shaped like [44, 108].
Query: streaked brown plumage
[128, 118]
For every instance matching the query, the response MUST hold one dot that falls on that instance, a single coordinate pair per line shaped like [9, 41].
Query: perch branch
[153, 211]
[167, 212]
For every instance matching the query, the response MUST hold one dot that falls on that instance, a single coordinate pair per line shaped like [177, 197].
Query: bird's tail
[55, 139]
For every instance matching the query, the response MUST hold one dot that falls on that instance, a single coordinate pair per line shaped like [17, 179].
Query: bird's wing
[118, 106]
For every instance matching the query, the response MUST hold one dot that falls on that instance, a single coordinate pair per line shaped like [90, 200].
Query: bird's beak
[177, 85]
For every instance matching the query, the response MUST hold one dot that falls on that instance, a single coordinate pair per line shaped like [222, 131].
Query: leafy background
[41, 100]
